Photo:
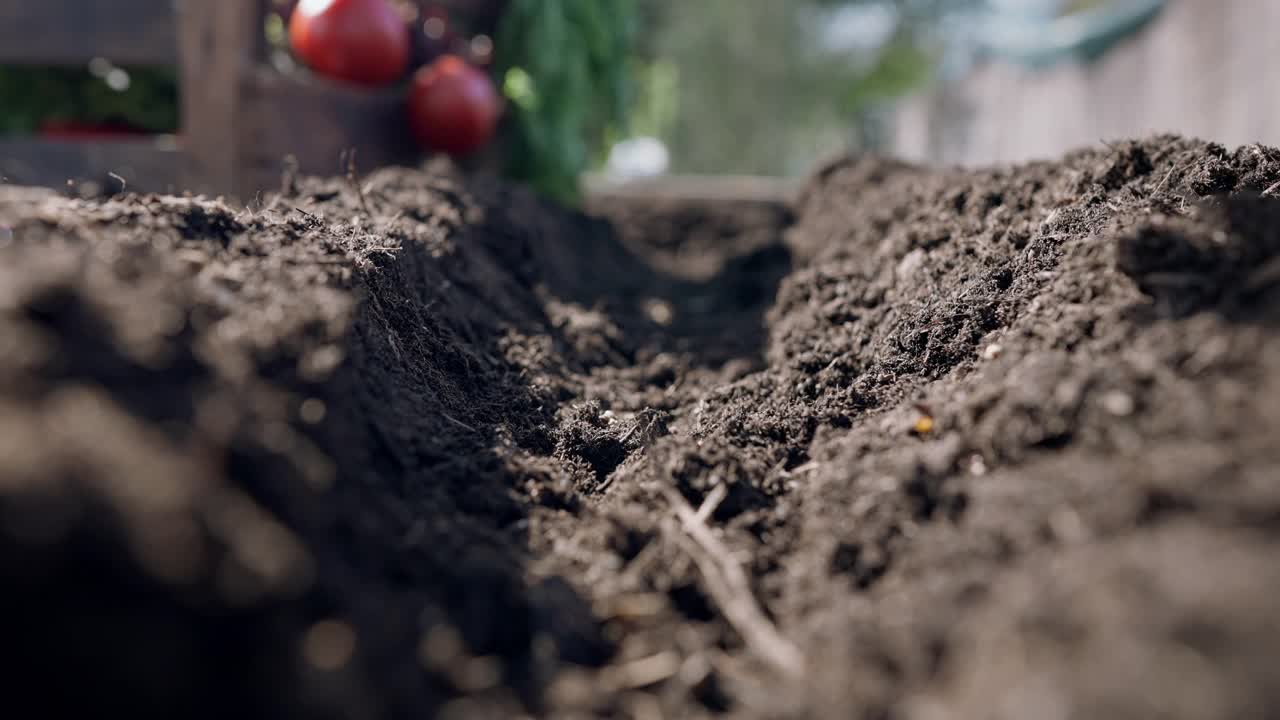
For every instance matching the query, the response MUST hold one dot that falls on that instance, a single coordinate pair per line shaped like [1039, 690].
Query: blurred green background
[769, 88]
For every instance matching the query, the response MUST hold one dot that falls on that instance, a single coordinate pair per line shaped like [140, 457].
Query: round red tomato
[360, 41]
[453, 106]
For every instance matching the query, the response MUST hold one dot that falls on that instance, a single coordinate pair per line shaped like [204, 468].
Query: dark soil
[995, 444]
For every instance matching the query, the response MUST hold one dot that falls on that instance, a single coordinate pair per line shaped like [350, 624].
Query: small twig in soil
[639, 564]
[458, 422]
[711, 502]
[288, 180]
[801, 469]
[1270, 190]
[643, 672]
[727, 584]
[604, 484]
[391, 222]
[1164, 182]
[395, 347]
[353, 177]
[627, 435]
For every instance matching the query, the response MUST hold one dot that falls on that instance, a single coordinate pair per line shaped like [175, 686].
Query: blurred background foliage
[769, 87]
[565, 67]
[763, 87]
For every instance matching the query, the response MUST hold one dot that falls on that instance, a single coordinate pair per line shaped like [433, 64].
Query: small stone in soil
[1118, 403]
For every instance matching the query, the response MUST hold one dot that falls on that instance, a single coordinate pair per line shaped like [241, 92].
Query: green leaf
[566, 66]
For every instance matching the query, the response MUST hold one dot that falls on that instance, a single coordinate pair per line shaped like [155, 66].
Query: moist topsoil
[920, 444]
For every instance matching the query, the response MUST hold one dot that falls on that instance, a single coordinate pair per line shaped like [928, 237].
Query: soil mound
[961, 444]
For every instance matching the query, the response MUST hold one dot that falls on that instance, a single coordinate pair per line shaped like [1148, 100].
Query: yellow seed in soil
[924, 425]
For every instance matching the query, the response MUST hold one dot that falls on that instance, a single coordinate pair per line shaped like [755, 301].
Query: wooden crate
[240, 116]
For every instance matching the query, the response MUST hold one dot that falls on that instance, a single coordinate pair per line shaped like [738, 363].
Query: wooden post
[217, 43]
[73, 32]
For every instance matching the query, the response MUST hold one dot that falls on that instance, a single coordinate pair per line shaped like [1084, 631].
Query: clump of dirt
[920, 444]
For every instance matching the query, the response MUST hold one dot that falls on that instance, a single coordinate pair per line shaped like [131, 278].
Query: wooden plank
[146, 165]
[1268, 75]
[1119, 88]
[977, 116]
[219, 42]
[745, 188]
[72, 32]
[1201, 69]
[1204, 36]
[1251, 74]
[316, 121]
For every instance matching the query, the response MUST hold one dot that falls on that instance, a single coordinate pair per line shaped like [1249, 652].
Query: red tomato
[453, 106]
[365, 42]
